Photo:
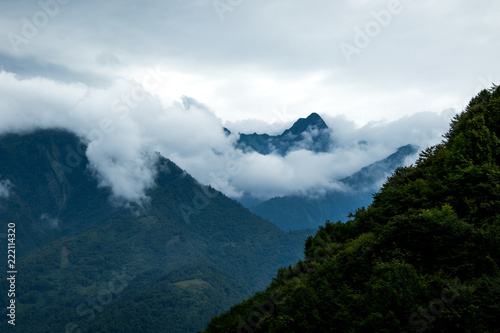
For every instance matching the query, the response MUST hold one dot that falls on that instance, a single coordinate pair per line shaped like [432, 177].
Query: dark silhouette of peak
[309, 133]
[303, 124]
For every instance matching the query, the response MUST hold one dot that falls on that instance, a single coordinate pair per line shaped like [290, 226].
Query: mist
[5, 186]
[123, 125]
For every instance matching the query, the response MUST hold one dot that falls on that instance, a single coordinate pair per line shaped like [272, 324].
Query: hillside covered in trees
[423, 257]
[89, 264]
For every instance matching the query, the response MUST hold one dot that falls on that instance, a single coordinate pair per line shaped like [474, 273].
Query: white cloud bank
[124, 125]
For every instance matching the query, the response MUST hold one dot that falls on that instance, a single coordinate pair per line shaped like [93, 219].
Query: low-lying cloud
[5, 186]
[124, 124]
[50, 222]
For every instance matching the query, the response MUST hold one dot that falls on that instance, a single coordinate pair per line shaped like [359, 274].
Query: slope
[50, 187]
[189, 253]
[424, 256]
[300, 212]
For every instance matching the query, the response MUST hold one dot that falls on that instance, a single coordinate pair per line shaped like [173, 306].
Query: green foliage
[149, 268]
[52, 188]
[424, 256]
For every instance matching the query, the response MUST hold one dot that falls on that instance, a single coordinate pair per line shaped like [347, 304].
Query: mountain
[424, 256]
[297, 212]
[51, 188]
[309, 133]
[89, 264]
[301, 212]
[368, 178]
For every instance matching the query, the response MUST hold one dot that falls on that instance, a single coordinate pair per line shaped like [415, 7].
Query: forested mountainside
[88, 264]
[424, 256]
[304, 210]
[49, 187]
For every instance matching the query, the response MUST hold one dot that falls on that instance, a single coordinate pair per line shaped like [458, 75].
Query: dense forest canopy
[424, 256]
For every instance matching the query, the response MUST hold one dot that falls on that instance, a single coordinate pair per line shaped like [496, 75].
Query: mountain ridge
[425, 255]
[309, 133]
[186, 239]
[296, 212]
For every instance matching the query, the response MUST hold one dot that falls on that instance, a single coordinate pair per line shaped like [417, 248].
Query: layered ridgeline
[89, 264]
[309, 133]
[423, 257]
[296, 212]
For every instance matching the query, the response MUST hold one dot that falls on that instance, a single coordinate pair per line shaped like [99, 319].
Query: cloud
[266, 56]
[51, 222]
[302, 172]
[249, 126]
[422, 129]
[5, 186]
[167, 76]
[31, 67]
[123, 125]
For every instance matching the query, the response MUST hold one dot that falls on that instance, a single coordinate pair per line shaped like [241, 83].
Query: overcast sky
[395, 71]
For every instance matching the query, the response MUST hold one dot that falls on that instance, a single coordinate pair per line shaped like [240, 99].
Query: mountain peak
[301, 125]
[296, 137]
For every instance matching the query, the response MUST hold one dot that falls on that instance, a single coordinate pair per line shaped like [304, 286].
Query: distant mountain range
[309, 133]
[86, 264]
[182, 256]
[423, 257]
[299, 212]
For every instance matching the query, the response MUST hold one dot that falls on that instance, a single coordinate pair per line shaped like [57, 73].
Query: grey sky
[250, 65]
[265, 55]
